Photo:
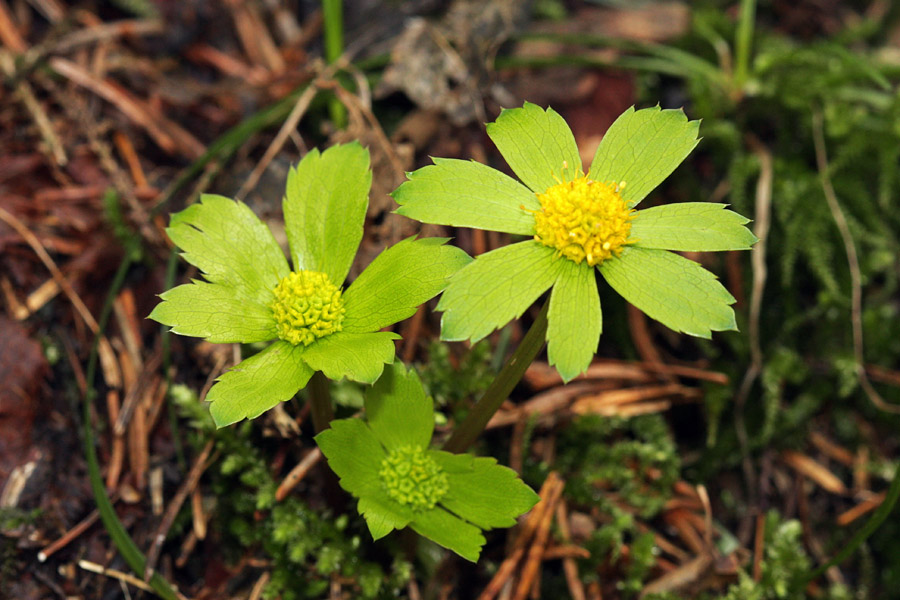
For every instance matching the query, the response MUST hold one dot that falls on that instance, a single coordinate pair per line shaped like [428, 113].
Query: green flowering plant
[578, 221]
[251, 294]
[385, 462]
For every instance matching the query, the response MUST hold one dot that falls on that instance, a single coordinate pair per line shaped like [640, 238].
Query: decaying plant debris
[674, 468]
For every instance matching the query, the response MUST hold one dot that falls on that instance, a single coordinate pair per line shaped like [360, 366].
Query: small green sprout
[251, 294]
[386, 463]
[577, 222]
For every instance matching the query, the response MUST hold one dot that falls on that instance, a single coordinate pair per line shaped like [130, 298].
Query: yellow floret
[584, 220]
[307, 306]
[412, 478]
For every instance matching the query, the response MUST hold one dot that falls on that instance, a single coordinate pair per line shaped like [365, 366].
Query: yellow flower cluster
[307, 306]
[412, 478]
[584, 220]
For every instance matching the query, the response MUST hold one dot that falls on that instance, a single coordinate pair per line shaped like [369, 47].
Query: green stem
[333, 18]
[320, 401]
[874, 522]
[469, 430]
[743, 41]
[126, 546]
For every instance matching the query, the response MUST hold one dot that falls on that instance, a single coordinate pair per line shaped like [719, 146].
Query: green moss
[451, 381]
[635, 459]
[305, 544]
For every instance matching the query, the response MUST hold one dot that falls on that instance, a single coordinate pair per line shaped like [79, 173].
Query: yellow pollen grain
[584, 220]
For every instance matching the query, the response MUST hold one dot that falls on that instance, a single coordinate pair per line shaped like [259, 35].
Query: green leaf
[231, 246]
[398, 281]
[574, 320]
[691, 227]
[495, 288]
[642, 148]
[463, 193]
[382, 515]
[397, 409]
[537, 144]
[258, 383]
[675, 291]
[483, 492]
[356, 356]
[354, 454]
[214, 312]
[325, 207]
[449, 531]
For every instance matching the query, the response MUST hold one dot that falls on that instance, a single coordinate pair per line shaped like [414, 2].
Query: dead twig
[298, 473]
[762, 220]
[119, 575]
[9, 33]
[106, 32]
[570, 568]
[168, 135]
[107, 356]
[815, 471]
[290, 124]
[840, 220]
[25, 94]
[549, 492]
[866, 506]
[190, 482]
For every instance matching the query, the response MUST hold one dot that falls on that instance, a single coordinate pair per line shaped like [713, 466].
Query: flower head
[251, 294]
[584, 220]
[385, 461]
[578, 221]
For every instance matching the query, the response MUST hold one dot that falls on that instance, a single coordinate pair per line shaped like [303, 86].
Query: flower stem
[743, 41]
[469, 430]
[333, 17]
[320, 401]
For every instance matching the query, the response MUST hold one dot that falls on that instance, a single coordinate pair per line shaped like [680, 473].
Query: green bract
[251, 295]
[386, 463]
[578, 221]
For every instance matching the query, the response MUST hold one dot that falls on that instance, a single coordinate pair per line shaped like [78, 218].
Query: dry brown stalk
[117, 451]
[412, 331]
[9, 33]
[815, 471]
[107, 356]
[681, 577]
[831, 449]
[551, 487]
[640, 335]
[759, 546]
[167, 134]
[864, 507]
[616, 398]
[70, 535]
[548, 402]
[573, 581]
[37, 299]
[190, 482]
[840, 220]
[297, 474]
[532, 564]
[126, 149]
[114, 574]
[198, 514]
[683, 523]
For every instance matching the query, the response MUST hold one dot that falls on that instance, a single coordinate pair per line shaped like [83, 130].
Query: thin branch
[852, 262]
[762, 220]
